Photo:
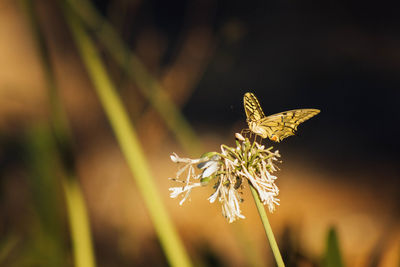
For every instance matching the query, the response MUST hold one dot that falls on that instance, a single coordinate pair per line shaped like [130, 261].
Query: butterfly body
[278, 126]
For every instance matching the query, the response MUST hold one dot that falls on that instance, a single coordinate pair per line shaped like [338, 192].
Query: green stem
[129, 143]
[267, 227]
[76, 207]
[79, 223]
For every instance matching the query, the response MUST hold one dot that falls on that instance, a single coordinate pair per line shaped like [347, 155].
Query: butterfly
[277, 126]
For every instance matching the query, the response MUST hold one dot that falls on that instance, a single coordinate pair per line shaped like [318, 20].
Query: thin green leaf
[332, 257]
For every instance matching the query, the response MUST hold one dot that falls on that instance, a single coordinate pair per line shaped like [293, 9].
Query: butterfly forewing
[252, 107]
[277, 126]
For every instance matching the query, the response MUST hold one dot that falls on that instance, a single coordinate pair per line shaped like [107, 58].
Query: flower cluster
[229, 169]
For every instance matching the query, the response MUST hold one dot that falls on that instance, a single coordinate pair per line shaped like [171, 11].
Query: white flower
[230, 168]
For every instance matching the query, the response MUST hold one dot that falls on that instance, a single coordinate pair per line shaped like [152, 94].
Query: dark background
[342, 57]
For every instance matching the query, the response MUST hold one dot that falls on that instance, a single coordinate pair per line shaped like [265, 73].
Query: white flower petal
[174, 157]
[212, 168]
[176, 191]
[239, 137]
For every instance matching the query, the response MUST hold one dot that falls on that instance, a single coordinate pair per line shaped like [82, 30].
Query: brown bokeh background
[341, 170]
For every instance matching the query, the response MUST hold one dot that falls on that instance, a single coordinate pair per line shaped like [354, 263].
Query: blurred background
[340, 172]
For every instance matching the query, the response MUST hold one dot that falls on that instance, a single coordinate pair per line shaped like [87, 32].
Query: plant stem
[267, 227]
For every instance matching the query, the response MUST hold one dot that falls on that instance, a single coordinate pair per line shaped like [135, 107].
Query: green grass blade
[332, 257]
[79, 223]
[76, 208]
[129, 143]
[47, 230]
[132, 65]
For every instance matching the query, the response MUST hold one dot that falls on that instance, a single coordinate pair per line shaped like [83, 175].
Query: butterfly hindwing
[285, 124]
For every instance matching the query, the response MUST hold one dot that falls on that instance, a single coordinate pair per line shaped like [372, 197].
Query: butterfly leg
[258, 137]
[242, 132]
[245, 132]
[250, 134]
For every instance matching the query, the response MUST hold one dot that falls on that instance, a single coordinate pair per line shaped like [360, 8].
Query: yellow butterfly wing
[281, 125]
[277, 126]
[252, 107]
